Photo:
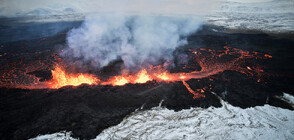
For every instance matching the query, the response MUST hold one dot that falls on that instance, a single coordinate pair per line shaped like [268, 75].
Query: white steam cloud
[137, 40]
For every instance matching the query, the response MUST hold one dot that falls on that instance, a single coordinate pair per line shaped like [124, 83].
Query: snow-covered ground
[274, 16]
[226, 122]
[289, 98]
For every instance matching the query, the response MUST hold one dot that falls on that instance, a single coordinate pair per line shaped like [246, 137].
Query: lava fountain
[60, 78]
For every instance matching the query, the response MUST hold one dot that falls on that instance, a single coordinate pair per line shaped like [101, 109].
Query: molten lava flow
[141, 77]
[61, 78]
[211, 62]
[165, 76]
[144, 76]
[119, 81]
[196, 94]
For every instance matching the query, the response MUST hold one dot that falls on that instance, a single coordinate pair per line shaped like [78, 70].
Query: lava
[211, 62]
[165, 76]
[61, 78]
[196, 94]
[142, 77]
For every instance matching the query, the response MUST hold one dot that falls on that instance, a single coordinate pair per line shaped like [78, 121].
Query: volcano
[42, 92]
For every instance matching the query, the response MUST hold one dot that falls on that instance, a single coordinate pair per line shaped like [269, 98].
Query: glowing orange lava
[118, 81]
[142, 77]
[165, 76]
[211, 62]
[196, 94]
[61, 78]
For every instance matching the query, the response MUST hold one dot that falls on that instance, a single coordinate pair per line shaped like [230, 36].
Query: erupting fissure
[211, 62]
[61, 78]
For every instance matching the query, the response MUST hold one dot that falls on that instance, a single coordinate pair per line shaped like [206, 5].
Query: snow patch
[56, 136]
[275, 16]
[226, 122]
[289, 98]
